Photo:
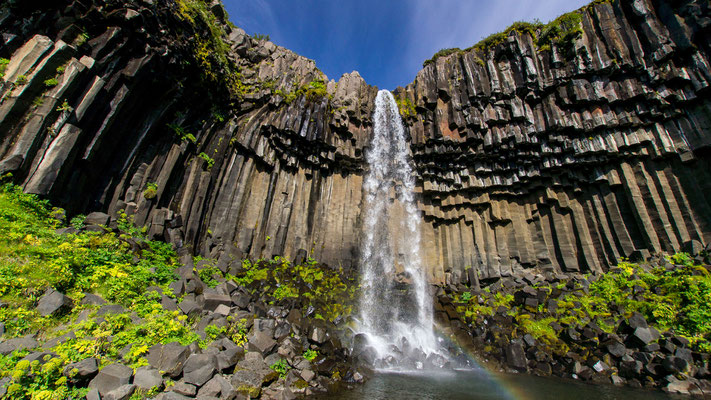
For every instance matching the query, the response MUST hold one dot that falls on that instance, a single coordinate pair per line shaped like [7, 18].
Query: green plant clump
[441, 53]
[52, 82]
[3, 66]
[181, 133]
[281, 367]
[405, 106]
[151, 191]
[209, 160]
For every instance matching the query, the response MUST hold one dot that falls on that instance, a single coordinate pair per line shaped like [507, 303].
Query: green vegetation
[562, 32]
[260, 37]
[182, 134]
[21, 80]
[209, 160]
[210, 50]
[328, 290]
[81, 39]
[33, 257]
[52, 82]
[677, 300]
[65, 107]
[405, 106]
[441, 53]
[495, 39]
[310, 355]
[3, 66]
[281, 367]
[151, 191]
[314, 91]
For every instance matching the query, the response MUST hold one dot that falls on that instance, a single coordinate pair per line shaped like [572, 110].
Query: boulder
[186, 389]
[262, 342]
[147, 378]
[199, 368]
[97, 218]
[23, 343]
[643, 336]
[516, 357]
[111, 377]
[92, 299]
[123, 392]
[190, 308]
[82, 371]
[213, 300]
[200, 376]
[169, 358]
[53, 302]
[251, 374]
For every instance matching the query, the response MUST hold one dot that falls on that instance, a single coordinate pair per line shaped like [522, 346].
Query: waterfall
[396, 312]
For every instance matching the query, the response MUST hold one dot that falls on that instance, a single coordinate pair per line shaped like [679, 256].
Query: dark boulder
[147, 378]
[516, 357]
[53, 302]
[23, 343]
[82, 371]
[169, 358]
[111, 377]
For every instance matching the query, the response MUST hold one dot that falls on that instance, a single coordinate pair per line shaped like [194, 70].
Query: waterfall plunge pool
[480, 384]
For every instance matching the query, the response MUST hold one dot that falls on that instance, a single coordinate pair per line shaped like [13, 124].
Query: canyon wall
[527, 159]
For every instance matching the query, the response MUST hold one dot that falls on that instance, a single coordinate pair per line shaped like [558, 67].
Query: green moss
[441, 53]
[181, 133]
[211, 52]
[208, 160]
[562, 31]
[3, 66]
[52, 82]
[405, 106]
[328, 290]
[151, 191]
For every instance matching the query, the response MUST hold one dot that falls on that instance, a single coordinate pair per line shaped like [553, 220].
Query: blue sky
[386, 41]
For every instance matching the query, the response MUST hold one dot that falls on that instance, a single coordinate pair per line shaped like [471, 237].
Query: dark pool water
[460, 385]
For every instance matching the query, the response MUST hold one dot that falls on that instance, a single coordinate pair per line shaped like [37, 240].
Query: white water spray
[395, 305]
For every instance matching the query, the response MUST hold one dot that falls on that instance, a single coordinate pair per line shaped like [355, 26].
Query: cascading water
[396, 312]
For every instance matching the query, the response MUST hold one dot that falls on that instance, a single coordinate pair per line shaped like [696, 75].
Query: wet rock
[516, 357]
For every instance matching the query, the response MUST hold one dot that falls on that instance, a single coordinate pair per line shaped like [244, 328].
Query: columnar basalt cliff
[567, 159]
[552, 159]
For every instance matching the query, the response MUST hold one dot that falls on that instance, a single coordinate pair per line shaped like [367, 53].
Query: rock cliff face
[551, 160]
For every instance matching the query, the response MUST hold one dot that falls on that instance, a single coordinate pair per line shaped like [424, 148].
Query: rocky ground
[640, 325]
[213, 330]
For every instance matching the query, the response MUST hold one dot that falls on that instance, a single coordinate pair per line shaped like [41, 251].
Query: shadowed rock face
[525, 158]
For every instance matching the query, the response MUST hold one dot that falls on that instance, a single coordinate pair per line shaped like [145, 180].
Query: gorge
[531, 168]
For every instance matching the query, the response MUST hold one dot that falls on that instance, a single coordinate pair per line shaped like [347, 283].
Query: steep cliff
[564, 157]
